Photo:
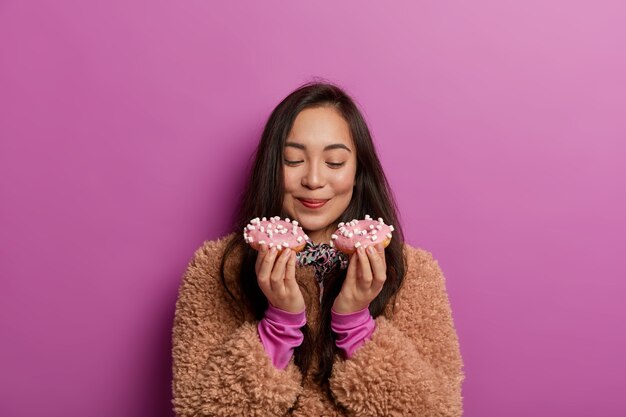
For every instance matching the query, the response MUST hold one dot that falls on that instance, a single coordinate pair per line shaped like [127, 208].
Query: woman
[312, 334]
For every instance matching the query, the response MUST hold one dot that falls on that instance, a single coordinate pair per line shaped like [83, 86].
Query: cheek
[344, 182]
[288, 181]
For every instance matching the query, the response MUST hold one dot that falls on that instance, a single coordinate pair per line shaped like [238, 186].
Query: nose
[313, 178]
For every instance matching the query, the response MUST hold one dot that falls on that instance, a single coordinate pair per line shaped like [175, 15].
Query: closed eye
[292, 163]
[335, 164]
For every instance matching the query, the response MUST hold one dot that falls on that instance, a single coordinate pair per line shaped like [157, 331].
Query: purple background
[125, 128]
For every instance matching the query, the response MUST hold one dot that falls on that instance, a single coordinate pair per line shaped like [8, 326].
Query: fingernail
[370, 249]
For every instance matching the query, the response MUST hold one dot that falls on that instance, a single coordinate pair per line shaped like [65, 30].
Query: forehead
[320, 126]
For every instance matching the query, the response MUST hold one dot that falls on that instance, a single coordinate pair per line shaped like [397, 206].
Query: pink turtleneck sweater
[280, 332]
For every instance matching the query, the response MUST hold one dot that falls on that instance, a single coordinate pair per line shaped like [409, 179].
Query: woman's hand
[277, 279]
[366, 275]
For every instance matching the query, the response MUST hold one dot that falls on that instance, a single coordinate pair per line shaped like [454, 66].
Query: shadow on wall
[158, 378]
[157, 392]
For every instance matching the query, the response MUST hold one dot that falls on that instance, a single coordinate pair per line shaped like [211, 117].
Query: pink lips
[312, 204]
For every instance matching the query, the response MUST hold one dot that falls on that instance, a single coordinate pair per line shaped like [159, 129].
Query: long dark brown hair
[263, 196]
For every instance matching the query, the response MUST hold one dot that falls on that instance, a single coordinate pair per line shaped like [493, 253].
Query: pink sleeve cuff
[352, 330]
[280, 334]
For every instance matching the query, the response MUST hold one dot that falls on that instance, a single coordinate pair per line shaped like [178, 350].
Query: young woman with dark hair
[315, 333]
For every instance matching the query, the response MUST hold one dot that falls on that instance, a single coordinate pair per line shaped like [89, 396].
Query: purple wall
[125, 128]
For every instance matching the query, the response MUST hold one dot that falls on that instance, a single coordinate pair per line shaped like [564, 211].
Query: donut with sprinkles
[275, 232]
[361, 233]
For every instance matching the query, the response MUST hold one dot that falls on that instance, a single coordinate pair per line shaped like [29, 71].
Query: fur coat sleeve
[218, 361]
[412, 365]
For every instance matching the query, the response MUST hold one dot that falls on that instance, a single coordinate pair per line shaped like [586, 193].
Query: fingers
[365, 269]
[381, 252]
[290, 275]
[265, 268]
[352, 269]
[277, 276]
[379, 270]
[259, 258]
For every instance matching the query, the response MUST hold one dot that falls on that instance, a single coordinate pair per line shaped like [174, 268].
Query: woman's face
[319, 165]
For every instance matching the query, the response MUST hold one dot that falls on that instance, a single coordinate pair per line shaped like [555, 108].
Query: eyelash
[333, 165]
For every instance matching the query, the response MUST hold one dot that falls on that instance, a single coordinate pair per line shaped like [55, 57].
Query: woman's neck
[321, 236]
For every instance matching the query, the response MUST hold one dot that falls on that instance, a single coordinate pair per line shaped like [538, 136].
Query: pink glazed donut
[361, 233]
[275, 233]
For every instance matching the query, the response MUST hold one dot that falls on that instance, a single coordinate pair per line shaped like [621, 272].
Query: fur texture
[411, 366]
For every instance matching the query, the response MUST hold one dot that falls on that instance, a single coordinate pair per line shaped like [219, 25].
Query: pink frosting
[361, 233]
[274, 232]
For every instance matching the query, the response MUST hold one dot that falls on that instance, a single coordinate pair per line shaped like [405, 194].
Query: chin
[312, 224]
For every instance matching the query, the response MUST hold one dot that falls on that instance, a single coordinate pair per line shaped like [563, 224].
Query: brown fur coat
[411, 366]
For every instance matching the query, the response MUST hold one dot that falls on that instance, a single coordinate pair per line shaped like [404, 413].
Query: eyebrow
[326, 148]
